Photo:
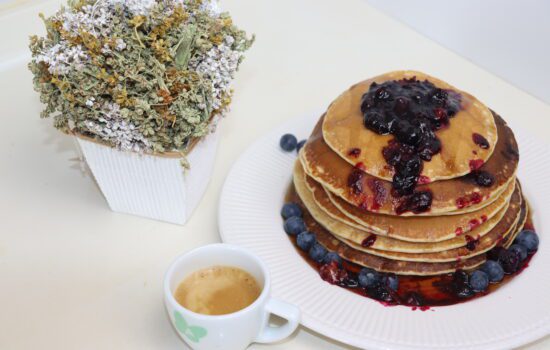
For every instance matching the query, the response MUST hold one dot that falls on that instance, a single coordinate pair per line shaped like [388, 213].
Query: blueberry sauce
[355, 181]
[416, 292]
[475, 164]
[354, 152]
[483, 178]
[423, 180]
[418, 202]
[480, 141]
[379, 191]
[412, 111]
[472, 242]
[474, 223]
[468, 200]
[369, 241]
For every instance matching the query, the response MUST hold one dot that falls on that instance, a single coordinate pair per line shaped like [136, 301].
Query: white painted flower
[63, 57]
[90, 102]
[212, 7]
[120, 44]
[218, 65]
[135, 7]
[113, 128]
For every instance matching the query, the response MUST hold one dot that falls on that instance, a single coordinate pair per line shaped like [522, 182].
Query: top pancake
[450, 197]
[343, 130]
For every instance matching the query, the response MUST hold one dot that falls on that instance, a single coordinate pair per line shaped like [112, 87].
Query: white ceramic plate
[515, 314]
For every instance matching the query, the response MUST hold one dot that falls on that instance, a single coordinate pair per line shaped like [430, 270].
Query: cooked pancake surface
[343, 130]
[504, 228]
[410, 234]
[384, 264]
[379, 243]
[454, 196]
[393, 262]
[423, 228]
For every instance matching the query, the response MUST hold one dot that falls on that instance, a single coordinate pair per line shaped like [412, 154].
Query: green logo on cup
[194, 333]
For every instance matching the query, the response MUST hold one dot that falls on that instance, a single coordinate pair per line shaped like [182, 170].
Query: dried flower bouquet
[140, 75]
[141, 84]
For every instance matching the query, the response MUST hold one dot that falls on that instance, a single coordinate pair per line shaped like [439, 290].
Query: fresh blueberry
[288, 142]
[317, 252]
[369, 278]
[529, 239]
[300, 145]
[494, 253]
[493, 270]
[305, 240]
[290, 210]
[519, 249]
[479, 281]
[509, 260]
[294, 225]
[332, 256]
[391, 281]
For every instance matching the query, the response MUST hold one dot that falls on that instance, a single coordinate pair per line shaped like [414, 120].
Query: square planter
[152, 186]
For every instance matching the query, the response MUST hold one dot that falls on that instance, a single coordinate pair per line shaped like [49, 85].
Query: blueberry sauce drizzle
[354, 152]
[369, 241]
[480, 141]
[412, 111]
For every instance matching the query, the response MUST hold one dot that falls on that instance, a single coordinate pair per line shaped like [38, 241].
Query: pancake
[505, 228]
[421, 228]
[455, 196]
[343, 130]
[502, 225]
[508, 241]
[414, 228]
[379, 263]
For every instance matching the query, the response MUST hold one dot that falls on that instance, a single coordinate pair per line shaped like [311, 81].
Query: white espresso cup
[234, 331]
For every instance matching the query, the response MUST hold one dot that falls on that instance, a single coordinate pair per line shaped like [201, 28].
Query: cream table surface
[75, 275]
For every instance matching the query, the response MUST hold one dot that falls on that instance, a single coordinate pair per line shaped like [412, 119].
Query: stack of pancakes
[367, 227]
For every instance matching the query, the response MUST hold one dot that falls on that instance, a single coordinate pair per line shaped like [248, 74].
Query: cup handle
[282, 309]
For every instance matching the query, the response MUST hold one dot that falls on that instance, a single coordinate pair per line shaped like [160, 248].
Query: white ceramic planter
[153, 186]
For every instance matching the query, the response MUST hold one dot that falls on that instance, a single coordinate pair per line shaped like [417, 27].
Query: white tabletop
[78, 276]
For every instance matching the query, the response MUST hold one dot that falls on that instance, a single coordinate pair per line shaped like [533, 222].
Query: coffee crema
[217, 290]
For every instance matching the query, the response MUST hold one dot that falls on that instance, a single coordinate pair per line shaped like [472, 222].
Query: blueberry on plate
[290, 210]
[509, 260]
[520, 250]
[294, 225]
[493, 270]
[479, 281]
[317, 252]
[369, 278]
[529, 239]
[288, 142]
[300, 145]
[332, 256]
[494, 253]
[305, 240]
[391, 281]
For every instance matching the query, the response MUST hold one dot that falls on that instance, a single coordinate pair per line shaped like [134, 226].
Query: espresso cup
[234, 331]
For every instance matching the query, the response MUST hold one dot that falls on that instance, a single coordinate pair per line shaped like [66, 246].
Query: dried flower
[140, 75]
